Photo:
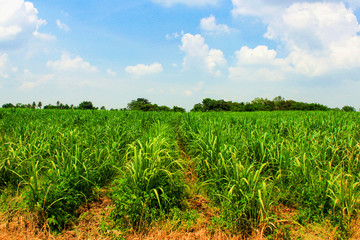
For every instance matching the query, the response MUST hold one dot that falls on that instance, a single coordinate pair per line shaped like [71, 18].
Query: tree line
[207, 105]
[84, 105]
[261, 104]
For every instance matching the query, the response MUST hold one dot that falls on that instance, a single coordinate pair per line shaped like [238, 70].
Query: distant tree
[198, 108]
[103, 108]
[178, 109]
[237, 107]
[40, 105]
[86, 105]
[278, 99]
[209, 104]
[49, 106]
[33, 105]
[8, 105]
[140, 104]
[164, 108]
[348, 109]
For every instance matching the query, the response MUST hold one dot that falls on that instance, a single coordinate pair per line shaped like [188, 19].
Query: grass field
[224, 175]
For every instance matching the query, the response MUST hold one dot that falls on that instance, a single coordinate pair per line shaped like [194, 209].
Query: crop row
[251, 163]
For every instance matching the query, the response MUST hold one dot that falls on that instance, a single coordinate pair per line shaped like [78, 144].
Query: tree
[278, 99]
[198, 108]
[40, 105]
[86, 105]
[348, 109]
[49, 106]
[164, 108]
[33, 105]
[178, 109]
[103, 108]
[8, 105]
[140, 104]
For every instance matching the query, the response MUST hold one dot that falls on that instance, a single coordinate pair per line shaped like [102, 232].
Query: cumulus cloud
[199, 55]
[186, 2]
[62, 26]
[19, 22]
[258, 55]
[314, 25]
[142, 69]
[257, 64]
[209, 25]
[66, 63]
[319, 36]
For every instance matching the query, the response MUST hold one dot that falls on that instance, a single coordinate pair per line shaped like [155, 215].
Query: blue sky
[177, 52]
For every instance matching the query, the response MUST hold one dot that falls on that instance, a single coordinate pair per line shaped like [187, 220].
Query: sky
[178, 52]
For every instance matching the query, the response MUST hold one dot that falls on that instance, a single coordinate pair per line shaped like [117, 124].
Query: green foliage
[8, 105]
[143, 104]
[258, 104]
[140, 104]
[178, 109]
[86, 105]
[56, 158]
[348, 109]
[151, 184]
[249, 162]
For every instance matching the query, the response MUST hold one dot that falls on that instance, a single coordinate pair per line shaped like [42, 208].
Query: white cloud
[270, 9]
[319, 36]
[62, 26]
[111, 72]
[141, 69]
[209, 24]
[28, 85]
[314, 25]
[198, 55]
[186, 2]
[258, 64]
[66, 63]
[258, 55]
[19, 22]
